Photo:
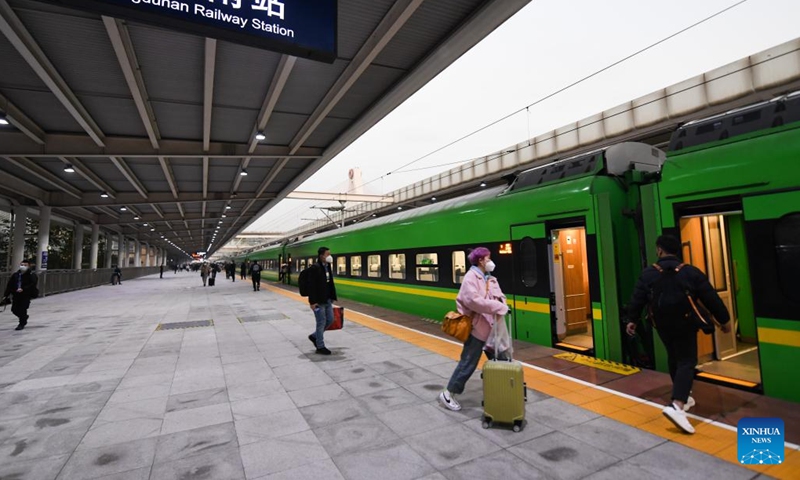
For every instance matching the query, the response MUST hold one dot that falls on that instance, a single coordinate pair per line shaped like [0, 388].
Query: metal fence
[59, 281]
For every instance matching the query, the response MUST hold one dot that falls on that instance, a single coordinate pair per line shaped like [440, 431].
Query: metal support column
[44, 238]
[137, 256]
[20, 221]
[108, 250]
[77, 256]
[95, 246]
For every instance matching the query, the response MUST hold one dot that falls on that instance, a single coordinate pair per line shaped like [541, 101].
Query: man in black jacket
[322, 293]
[679, 334]
[22, 287]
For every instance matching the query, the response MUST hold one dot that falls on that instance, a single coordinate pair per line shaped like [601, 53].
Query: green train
[570, 238]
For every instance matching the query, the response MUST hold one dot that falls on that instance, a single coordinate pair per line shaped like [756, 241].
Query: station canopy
[198, 136]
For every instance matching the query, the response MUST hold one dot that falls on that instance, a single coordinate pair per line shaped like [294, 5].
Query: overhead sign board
[303, 28]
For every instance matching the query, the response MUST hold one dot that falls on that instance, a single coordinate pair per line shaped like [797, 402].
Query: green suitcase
[504, 394]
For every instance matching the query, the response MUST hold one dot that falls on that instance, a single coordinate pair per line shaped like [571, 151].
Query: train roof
[741, 121]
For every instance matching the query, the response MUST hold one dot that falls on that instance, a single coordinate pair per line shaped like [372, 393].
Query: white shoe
[446, 399]
[678, 417]
[689, 404]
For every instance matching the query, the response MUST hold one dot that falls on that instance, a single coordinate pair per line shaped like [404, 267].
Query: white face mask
[489, 267]
[329, 259]
[23, 268]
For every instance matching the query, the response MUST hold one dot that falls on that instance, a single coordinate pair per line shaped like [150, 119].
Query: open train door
[531, 283]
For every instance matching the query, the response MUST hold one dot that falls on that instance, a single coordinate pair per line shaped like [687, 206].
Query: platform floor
[91, 389]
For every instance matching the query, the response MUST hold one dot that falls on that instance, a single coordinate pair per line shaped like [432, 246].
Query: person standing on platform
[231, 269]
[322, 293]
[214, 270]
[22, 288]
[255, 276]
[204, 271]
[479, 297]
[161, 271]
[672, 316]
[243, 268]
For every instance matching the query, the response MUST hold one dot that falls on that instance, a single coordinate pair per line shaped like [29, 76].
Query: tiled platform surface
[91, 390]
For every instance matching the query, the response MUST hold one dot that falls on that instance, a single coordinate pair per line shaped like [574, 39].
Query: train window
[341, 266]
[374, 266]
[459, 266]
[787, 247]
[428, 267]
[397, 266]
[527, 253]
[355, 266]
[302, 264]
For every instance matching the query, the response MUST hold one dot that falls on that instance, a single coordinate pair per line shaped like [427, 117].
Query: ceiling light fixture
[3, 119]
[243, 173]
[136, 217]
[483, 184]
[68, 168]
[260, 136]
[104, 195]
[123, 209]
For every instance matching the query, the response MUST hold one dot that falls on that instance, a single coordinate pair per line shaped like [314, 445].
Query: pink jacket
[482, 306]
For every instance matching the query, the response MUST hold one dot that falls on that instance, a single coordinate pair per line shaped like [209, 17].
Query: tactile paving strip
[180, 325]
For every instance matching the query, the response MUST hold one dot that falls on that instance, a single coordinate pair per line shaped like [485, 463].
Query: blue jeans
[324, 316]
[473, 348]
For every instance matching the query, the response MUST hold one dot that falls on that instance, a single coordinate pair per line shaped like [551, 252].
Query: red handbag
[338, 318]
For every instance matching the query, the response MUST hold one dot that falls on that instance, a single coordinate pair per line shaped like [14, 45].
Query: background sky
[547, 45]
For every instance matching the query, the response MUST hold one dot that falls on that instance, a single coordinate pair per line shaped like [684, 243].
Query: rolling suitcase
[504, 392]
[211, 281]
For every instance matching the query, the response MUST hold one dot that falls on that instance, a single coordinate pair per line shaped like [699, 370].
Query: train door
[715, 244]
[570, 280]
[530, 286]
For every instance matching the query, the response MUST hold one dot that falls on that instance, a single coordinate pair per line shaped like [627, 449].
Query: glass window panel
[427, 267]
[397, 266]
[459, 266]
[787, 247]
[341, 266]
[374, 266]
[355, 266]
[527, 250]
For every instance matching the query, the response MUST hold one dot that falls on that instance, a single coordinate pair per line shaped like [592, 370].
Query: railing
[59, 281]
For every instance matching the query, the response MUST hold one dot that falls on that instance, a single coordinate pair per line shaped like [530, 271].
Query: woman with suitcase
[481, 299]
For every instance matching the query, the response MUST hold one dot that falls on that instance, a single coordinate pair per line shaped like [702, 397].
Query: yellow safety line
[709, 438]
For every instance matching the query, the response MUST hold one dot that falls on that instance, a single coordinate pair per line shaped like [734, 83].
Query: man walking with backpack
[670, 289]
[316, 282]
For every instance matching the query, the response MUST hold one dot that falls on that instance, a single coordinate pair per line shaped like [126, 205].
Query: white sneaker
[678, 417]
[689, 404]
[446, 399]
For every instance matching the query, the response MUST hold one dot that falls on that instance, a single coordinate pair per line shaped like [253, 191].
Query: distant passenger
[673, 317]
[480, 297]
[243, 267]
[255, 275]
[21, 287]
[204, 272]
[161, 271]
[116, 276]
[322, 293]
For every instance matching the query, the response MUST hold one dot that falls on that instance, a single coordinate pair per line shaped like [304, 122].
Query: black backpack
[304, 282]
[669, 299]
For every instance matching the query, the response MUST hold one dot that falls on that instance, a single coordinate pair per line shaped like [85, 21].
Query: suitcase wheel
[486, 423]
[517, 428]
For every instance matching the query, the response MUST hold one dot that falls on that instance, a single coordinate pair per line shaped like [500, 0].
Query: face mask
[329, 259]
[23, 268]
[489, 267]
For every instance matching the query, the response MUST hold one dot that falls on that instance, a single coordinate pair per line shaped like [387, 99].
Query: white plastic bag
[499, 340]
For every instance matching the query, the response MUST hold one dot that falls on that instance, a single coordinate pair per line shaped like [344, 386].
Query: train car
[730, 190]
[570, 239]
[563, 236]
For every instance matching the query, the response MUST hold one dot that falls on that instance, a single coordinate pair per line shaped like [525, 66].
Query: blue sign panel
[303, 28]
[761, 441]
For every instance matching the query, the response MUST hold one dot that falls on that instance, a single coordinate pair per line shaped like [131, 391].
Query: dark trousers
[681, 345]
[256, 281]
[19, 307]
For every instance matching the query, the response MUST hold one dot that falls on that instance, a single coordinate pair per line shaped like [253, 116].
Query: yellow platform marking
[790, 338]
[598, 363]
[573, 347]
[722, 378]
[712, 439]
